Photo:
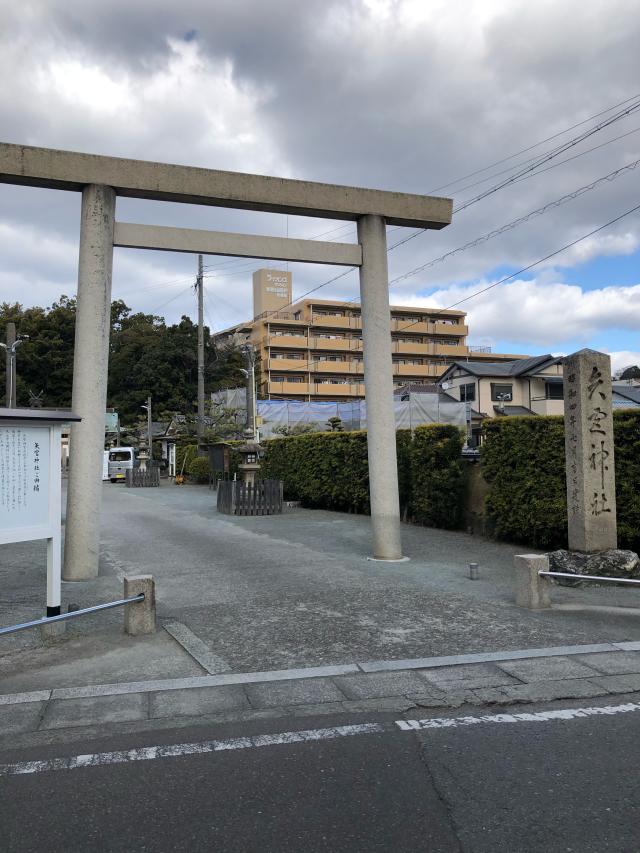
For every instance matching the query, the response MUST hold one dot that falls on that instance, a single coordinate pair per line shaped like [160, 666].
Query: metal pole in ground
[378, 382]
[10, 374]
[149, 433]
[200, 287]
[90, 369]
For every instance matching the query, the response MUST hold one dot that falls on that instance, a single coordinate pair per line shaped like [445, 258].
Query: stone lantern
[250, 465]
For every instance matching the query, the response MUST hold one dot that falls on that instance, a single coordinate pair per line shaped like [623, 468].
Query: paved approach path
[281, 592]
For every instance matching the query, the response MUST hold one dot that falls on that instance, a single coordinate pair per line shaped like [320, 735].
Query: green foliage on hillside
[147, 357]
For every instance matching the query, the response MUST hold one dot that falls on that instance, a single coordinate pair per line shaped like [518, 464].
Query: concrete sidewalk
[275, 593]
[500, 678]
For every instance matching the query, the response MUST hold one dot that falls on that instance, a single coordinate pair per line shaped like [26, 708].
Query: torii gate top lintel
[70, 170]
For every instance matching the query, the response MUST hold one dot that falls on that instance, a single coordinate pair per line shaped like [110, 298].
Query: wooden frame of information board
[31, 486]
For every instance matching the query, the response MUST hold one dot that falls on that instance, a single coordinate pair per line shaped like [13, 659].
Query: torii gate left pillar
[90, 374]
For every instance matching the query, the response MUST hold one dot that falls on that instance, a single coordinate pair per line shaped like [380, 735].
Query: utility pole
[200, 286]
[149, 437]
[249, 354]
[10, 349]
[11, 365]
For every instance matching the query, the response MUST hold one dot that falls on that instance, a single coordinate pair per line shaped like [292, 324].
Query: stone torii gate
[100, 180]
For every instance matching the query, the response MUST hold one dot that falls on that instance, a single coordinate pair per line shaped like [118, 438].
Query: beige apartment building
[312, 349]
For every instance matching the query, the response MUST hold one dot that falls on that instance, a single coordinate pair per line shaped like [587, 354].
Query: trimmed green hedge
[437, 476]
[327, 470]
[330, 470]
[523, 462]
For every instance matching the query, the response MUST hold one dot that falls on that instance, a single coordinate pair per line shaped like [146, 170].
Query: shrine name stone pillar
[591, 487]
[90, 370]
[378, 382]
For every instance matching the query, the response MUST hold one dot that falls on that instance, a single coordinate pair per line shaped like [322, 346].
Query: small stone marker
[591, 487]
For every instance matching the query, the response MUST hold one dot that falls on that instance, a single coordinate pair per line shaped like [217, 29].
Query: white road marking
[523, 717]
[150, 753]
[198, 650]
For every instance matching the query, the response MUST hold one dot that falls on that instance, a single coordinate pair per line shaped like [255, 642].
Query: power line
[531, 147]
[527, 170]
[517, 273]
[514, 224]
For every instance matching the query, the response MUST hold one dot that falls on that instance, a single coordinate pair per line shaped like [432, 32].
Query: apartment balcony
[297, 364]
[353, 389]
[336, 322]
[350, 367]
[289, 341]
[344, 344]
[451, 351]
[400, 347]
[429, 328]
[424, 371]
[280, 388]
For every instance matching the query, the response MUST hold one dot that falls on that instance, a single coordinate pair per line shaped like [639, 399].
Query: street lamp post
[10, 348]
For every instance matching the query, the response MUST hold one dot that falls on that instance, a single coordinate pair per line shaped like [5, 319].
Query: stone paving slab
[540, 691]
[613, 663]
[283, 693]
[618, 683]
[381, 684]
[547, 669]
[197, 701]
[468, 676]
[62, 713]
[20, 718]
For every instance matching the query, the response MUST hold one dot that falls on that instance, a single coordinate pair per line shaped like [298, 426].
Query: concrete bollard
[140, 617]
[53, 631]
[474, 573]
[532, 591]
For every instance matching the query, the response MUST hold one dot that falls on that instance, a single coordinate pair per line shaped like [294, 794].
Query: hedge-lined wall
[523, 462]
[330, 471]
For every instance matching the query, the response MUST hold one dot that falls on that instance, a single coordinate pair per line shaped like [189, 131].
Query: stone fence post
[532, 591]
[140, 617]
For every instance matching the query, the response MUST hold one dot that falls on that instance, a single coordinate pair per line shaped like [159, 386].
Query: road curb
[244, 678]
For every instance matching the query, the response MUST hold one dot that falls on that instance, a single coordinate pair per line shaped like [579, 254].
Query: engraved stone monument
[591, 487]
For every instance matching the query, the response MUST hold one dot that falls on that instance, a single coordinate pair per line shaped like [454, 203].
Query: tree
[147, 357]
[296, 429]
[632, 372]
[335, 424]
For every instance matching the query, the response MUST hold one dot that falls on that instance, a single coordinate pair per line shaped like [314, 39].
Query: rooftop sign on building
[272, 290]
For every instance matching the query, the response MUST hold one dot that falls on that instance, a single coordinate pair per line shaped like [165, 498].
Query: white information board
[25, 475]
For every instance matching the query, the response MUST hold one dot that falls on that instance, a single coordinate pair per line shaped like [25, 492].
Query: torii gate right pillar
[378, 383]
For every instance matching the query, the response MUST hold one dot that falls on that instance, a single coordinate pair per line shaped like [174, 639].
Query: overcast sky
[408, 95]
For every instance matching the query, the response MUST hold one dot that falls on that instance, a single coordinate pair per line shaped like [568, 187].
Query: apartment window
[277, 379]
[297, 315]
[326, 336]
[295, 379]
[501, 392]
[553, 391]
[468, 392]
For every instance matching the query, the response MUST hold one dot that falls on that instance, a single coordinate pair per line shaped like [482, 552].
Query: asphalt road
[510, 784]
